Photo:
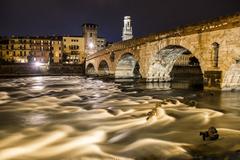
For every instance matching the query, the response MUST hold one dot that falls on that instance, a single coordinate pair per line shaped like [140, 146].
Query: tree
[64, 57]
[51, 60]
[30, 58]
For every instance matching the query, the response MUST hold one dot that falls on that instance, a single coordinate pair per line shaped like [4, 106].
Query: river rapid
[79, 118]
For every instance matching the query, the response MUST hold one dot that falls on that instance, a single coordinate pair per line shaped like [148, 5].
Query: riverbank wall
[16, 70]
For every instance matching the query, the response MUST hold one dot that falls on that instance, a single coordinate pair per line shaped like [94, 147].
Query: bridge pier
[231, 80]
[212, 80]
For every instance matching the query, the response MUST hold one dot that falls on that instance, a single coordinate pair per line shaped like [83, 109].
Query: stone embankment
[16, 70]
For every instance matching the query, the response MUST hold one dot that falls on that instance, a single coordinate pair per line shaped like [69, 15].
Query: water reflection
[78, 118]
[158, 86]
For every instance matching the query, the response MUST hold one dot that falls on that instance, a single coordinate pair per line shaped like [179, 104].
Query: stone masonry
[216, 45]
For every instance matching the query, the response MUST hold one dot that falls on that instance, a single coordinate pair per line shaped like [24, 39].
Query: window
[25, 54]
[60, 48]
[91, 34]
[14, 54]
[74, 40]
[21, 54]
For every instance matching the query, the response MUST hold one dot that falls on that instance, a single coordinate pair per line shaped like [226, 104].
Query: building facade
[15, 49]
[40, 49]
[73, 50]
[52, 49]
[25, 49]
[56, 50]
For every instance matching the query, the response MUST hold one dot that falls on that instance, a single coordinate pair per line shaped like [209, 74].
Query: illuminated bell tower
[90, 38]
[127, 29]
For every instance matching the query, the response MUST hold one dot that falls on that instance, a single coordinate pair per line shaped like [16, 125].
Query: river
[73, 118]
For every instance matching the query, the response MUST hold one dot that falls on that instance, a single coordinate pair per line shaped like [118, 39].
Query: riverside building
[51, 49]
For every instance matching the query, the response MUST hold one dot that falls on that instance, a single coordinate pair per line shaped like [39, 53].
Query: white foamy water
[72, 118]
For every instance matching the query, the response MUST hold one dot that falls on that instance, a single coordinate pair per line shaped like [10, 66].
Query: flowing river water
[75, 118]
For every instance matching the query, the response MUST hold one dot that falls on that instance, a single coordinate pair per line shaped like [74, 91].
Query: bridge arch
[171, 62]
[103, 68]
[90, 70]
[127, 67]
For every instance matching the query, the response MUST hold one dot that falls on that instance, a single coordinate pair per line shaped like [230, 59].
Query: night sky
[65, 17]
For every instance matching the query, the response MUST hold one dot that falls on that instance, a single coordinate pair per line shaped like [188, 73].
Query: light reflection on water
[77, 118]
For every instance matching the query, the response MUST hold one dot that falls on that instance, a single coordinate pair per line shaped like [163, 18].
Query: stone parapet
[206, 26]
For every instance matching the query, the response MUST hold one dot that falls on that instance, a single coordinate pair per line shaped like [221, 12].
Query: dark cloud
[35, 17]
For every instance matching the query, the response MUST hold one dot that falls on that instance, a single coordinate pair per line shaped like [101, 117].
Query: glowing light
[37, 64]
[91, 45]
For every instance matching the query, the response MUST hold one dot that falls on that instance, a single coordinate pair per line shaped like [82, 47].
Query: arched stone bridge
[215, 46]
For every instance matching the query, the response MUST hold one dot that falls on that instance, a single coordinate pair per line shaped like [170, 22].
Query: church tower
[127, 29]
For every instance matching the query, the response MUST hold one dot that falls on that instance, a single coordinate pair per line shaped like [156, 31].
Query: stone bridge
[213, 45]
